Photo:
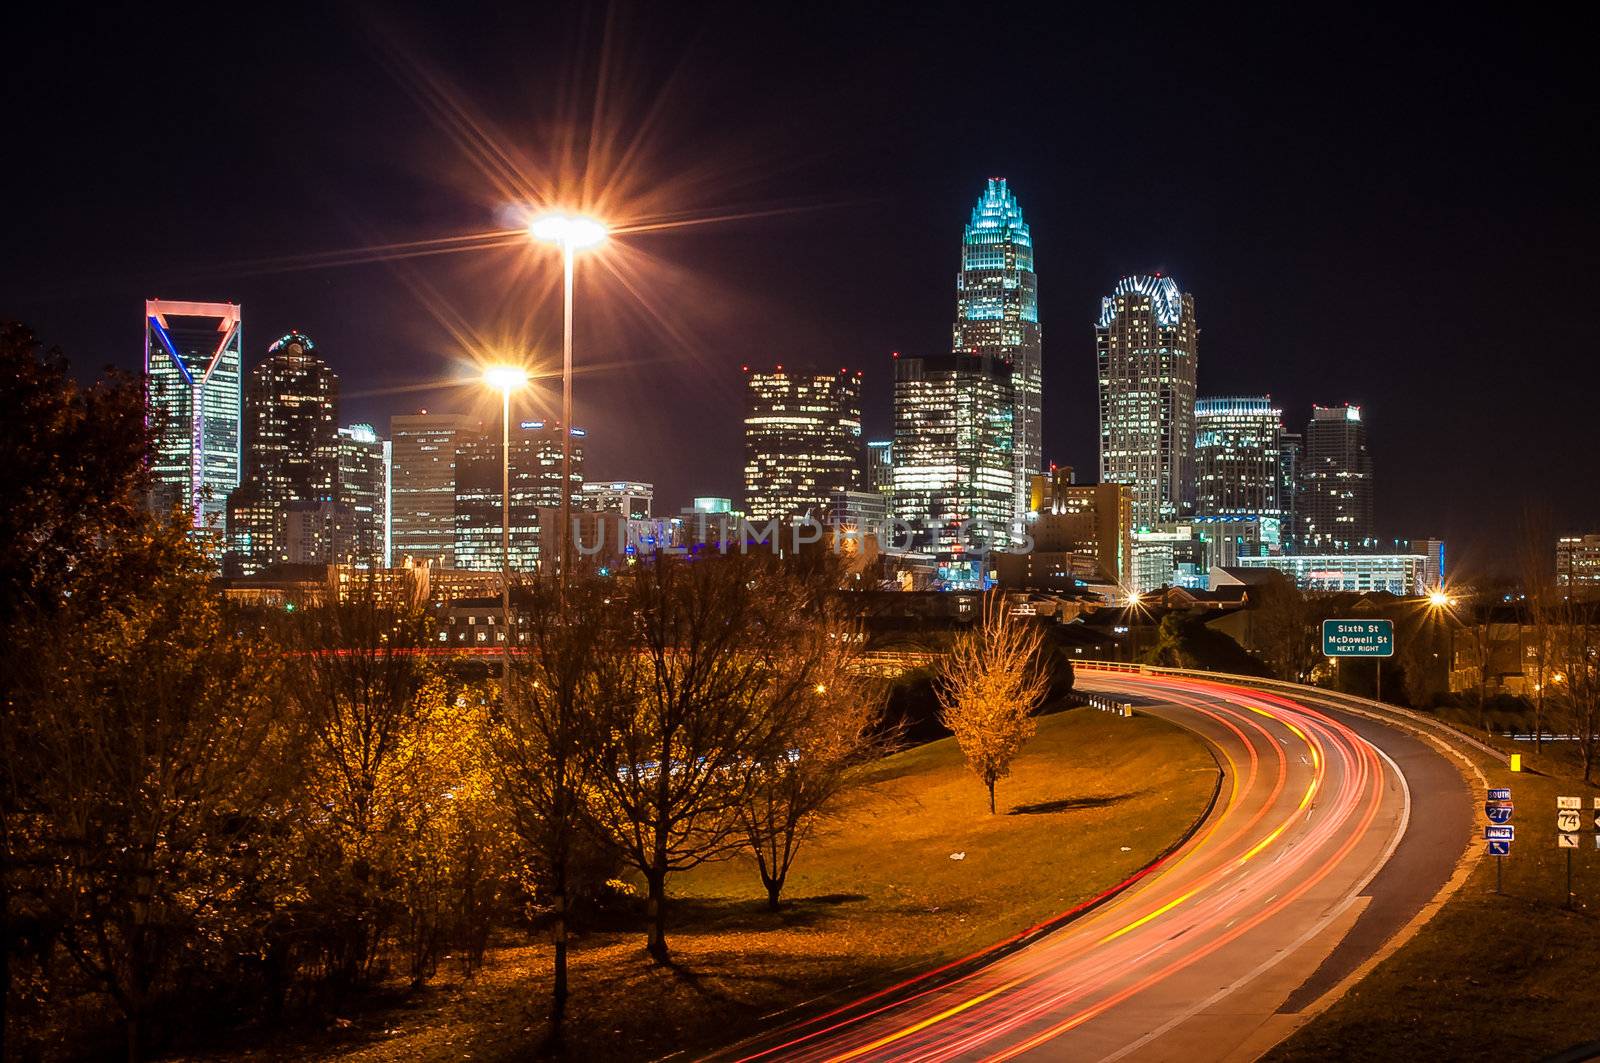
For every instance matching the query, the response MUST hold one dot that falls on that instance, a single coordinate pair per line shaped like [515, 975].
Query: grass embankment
[1092, 799]
[1491, 977]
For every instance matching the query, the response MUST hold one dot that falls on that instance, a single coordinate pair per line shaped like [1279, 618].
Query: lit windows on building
[1334, 509]
[1401, 574]
[952, 459]
[802, 440]
[1146, 357]
[422, 486]
[363, 487]
[628, 497]
[535, 483]
[1578, 563]
[997, 315]
[1238, 457]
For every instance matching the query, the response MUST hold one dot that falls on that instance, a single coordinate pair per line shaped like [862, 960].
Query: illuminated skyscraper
[1146, 351]
[535, 484]
[952, 457]
[802, 441]
[1238, 457]
[1335, 503]
[878, 470]
[290, 449]
[422, 486]
[997, 314]
[192, 362]
[363, 489]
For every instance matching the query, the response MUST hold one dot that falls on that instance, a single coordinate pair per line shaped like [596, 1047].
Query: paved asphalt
[1330, 833]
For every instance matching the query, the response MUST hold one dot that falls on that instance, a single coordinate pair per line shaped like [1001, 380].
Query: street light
[572, 233]
[505, 379]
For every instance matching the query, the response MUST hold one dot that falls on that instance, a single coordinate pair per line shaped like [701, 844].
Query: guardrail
[1105, 704]
[1416, 718]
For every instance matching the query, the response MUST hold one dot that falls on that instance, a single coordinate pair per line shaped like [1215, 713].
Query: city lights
[568, 231]
[505, 378]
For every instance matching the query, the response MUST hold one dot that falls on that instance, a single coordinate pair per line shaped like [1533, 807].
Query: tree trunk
[774, 887]
[657, 911]
[991, 797]
[558, 997]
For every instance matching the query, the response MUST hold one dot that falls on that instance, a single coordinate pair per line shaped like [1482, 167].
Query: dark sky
[1393, 213]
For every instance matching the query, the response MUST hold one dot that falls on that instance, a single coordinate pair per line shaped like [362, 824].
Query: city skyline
[1396, 290]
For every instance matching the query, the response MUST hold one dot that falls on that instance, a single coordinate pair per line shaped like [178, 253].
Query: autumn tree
[828, 729]
[146, 730]
[544, 737]
[689, 705]
[990, 683]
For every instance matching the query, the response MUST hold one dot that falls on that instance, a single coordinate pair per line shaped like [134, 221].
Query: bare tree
[1285, 623]
[545, 733]
[827, 732]
[1541, 605]
[1575, 680]
[989, 686]
[688, 707]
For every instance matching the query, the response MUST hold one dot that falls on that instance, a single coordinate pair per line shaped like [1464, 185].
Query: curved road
[1330, 833]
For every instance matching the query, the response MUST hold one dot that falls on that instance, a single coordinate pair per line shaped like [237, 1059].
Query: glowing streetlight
[505, 379]
[572, 233]
[1439, 599]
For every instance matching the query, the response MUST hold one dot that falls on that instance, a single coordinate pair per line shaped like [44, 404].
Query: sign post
[1499, 834]
[1569, 820]
[1360, 638]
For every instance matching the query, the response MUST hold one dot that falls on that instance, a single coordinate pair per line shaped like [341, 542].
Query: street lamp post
[505, 378]
[570, 232]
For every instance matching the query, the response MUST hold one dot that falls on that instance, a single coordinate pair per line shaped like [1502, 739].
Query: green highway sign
[1358, 638]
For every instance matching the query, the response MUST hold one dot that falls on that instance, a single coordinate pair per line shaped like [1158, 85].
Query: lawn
[1491, 977]
[912, 872]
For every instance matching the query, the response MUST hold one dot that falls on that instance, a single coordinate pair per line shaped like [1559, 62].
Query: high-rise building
[363, 489]
[1291, 452]
[1334, 511]
[1082, 531]
[422, 486]
[629, 497]
[1145, 341]
[535, 483]
[802, 441]
[952, 458]
[193, 358]
[290, 449]
[1578, 564]
[1238, 446]
[878, 469]
[997, 315]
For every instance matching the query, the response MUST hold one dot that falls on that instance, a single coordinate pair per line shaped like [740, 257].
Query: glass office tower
[193, 355]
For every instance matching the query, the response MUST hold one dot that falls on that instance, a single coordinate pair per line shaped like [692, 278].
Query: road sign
[1569, 802]
[1568, 820]
[1566, 841]
[1500, 795]
[1500, 848]
[1597, 819]
[1502, 814]
[1500, 833]
[1358, 638]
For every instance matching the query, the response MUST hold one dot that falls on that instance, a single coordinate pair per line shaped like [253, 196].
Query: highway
[1330, 833]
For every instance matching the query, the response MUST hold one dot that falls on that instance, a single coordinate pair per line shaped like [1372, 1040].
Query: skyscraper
[952, 457]
[1145, 340]
[1238, 456]
[878, 469]
[290, 449]
[1335, 503]
[193, 354]
[802, 441]
[535, 484]
[422, 486]
[363, 489]
[1290, 454]
[997, 314]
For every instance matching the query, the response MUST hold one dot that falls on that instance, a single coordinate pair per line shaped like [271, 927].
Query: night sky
[1388, 213]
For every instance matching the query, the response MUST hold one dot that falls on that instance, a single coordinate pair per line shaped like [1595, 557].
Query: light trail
[1306, 818]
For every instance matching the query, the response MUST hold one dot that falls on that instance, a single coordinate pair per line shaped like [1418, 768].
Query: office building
[363, 488]
[1238, 450]
[1145, 347]
[1334, 509]
[952, 459]
[878, 471]
[318, 531]
[802, 440]
[1291, 450]
[1091, 522]
[535, 483]
[1578, 564]
[997, 316]
[1401, 574]
[628, 497]
[193, 361]
[290, 450]
[422, 486]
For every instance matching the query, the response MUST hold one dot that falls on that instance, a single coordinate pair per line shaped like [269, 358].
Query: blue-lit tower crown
[997, 314]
